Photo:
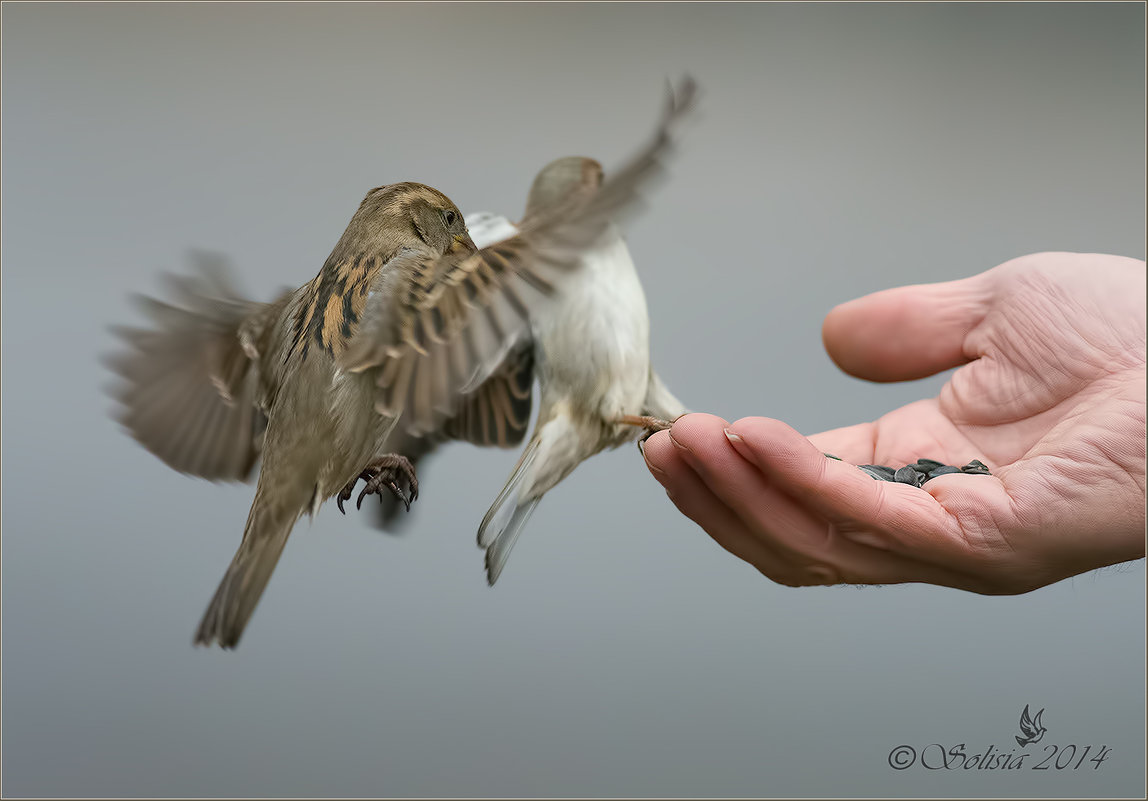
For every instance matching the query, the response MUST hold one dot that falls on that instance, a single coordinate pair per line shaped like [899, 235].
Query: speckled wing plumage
[497, 414]
[460, 316]
[189, 392]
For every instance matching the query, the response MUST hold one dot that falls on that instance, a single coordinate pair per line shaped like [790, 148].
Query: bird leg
[652, 425]
[383, 472]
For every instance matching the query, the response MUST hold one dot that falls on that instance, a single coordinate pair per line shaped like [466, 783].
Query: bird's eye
[449, 216]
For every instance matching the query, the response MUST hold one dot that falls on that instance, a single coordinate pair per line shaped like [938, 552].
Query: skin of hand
[1050, 394]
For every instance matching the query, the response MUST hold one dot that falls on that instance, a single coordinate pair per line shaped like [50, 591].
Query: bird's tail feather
[499, 550]
[266, 533]
[504, 520]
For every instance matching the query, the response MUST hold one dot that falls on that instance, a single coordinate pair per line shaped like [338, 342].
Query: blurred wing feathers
[496, 414]
[188, 390]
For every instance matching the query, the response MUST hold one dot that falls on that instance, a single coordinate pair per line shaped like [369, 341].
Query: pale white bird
[591, 354]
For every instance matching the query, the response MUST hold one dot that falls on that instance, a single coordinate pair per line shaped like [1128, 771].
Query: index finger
[882, 514]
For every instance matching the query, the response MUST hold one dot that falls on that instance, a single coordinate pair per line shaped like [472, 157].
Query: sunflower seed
[878, 472]
[909, 475]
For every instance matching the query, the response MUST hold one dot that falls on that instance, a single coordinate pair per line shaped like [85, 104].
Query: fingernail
[732, 437]
[677, 444]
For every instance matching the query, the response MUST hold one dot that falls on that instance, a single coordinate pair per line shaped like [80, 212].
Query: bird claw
[374, 485]
[383, 472]
[652, 425]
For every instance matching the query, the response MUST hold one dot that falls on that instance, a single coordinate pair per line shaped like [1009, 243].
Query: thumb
[909, 332]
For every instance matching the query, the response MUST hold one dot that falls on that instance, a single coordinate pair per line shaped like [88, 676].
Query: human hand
[1051, 397]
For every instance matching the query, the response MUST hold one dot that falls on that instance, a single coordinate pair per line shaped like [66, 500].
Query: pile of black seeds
[920, 471]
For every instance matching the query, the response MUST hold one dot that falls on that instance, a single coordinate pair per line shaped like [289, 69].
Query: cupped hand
[1051, 396]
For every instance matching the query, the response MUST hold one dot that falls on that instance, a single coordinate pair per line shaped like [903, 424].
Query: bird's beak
[463, 243]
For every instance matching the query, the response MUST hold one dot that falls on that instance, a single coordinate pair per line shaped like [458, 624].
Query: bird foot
[652, 425]
[386, 471]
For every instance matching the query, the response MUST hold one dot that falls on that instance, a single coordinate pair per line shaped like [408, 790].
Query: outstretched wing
[188, 390]
[462, 315]
[496, 414]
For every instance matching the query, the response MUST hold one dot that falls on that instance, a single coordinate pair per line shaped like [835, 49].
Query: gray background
[842, 149]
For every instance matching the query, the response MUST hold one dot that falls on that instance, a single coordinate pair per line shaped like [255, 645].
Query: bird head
[406, 215]
[560, 179]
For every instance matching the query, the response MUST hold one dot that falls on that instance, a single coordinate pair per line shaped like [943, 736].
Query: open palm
[1051, 395]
